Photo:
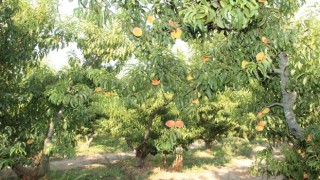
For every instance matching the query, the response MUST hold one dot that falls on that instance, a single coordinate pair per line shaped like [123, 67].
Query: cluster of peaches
[175, 34]
[100, 90]
[172, 123]
[261, 123]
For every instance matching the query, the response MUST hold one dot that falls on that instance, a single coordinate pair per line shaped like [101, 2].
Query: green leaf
[220, 22]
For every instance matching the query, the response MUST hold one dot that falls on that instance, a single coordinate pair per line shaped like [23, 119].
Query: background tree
[226, 114]
[27, 32]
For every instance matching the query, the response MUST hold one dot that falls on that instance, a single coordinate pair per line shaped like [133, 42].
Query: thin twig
[275, 104]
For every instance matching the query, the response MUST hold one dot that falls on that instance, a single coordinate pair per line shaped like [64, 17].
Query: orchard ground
[231, 158]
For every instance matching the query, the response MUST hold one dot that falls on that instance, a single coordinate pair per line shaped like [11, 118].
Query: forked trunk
[88, 141]
[177, 163]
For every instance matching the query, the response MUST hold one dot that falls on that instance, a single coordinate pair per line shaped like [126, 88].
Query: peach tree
[231, 42]
[300, 77]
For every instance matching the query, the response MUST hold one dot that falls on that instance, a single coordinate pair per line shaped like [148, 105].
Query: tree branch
[275, 104]
[47, 141]
[277, 71]
[288, 98]
[151, 117]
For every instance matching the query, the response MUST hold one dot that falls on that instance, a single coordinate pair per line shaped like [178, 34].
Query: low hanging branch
[288, 98]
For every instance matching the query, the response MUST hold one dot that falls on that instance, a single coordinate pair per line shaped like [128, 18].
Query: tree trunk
[41, 162]
[165, 160]
[143, 150]
[141, 154]
[140, 161]
[41, 169]
[208, 143]
[177, 163]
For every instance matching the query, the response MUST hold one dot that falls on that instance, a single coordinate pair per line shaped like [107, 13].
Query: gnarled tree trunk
[208, 143]
[141, 154]
[40, 170]
[41, 162]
